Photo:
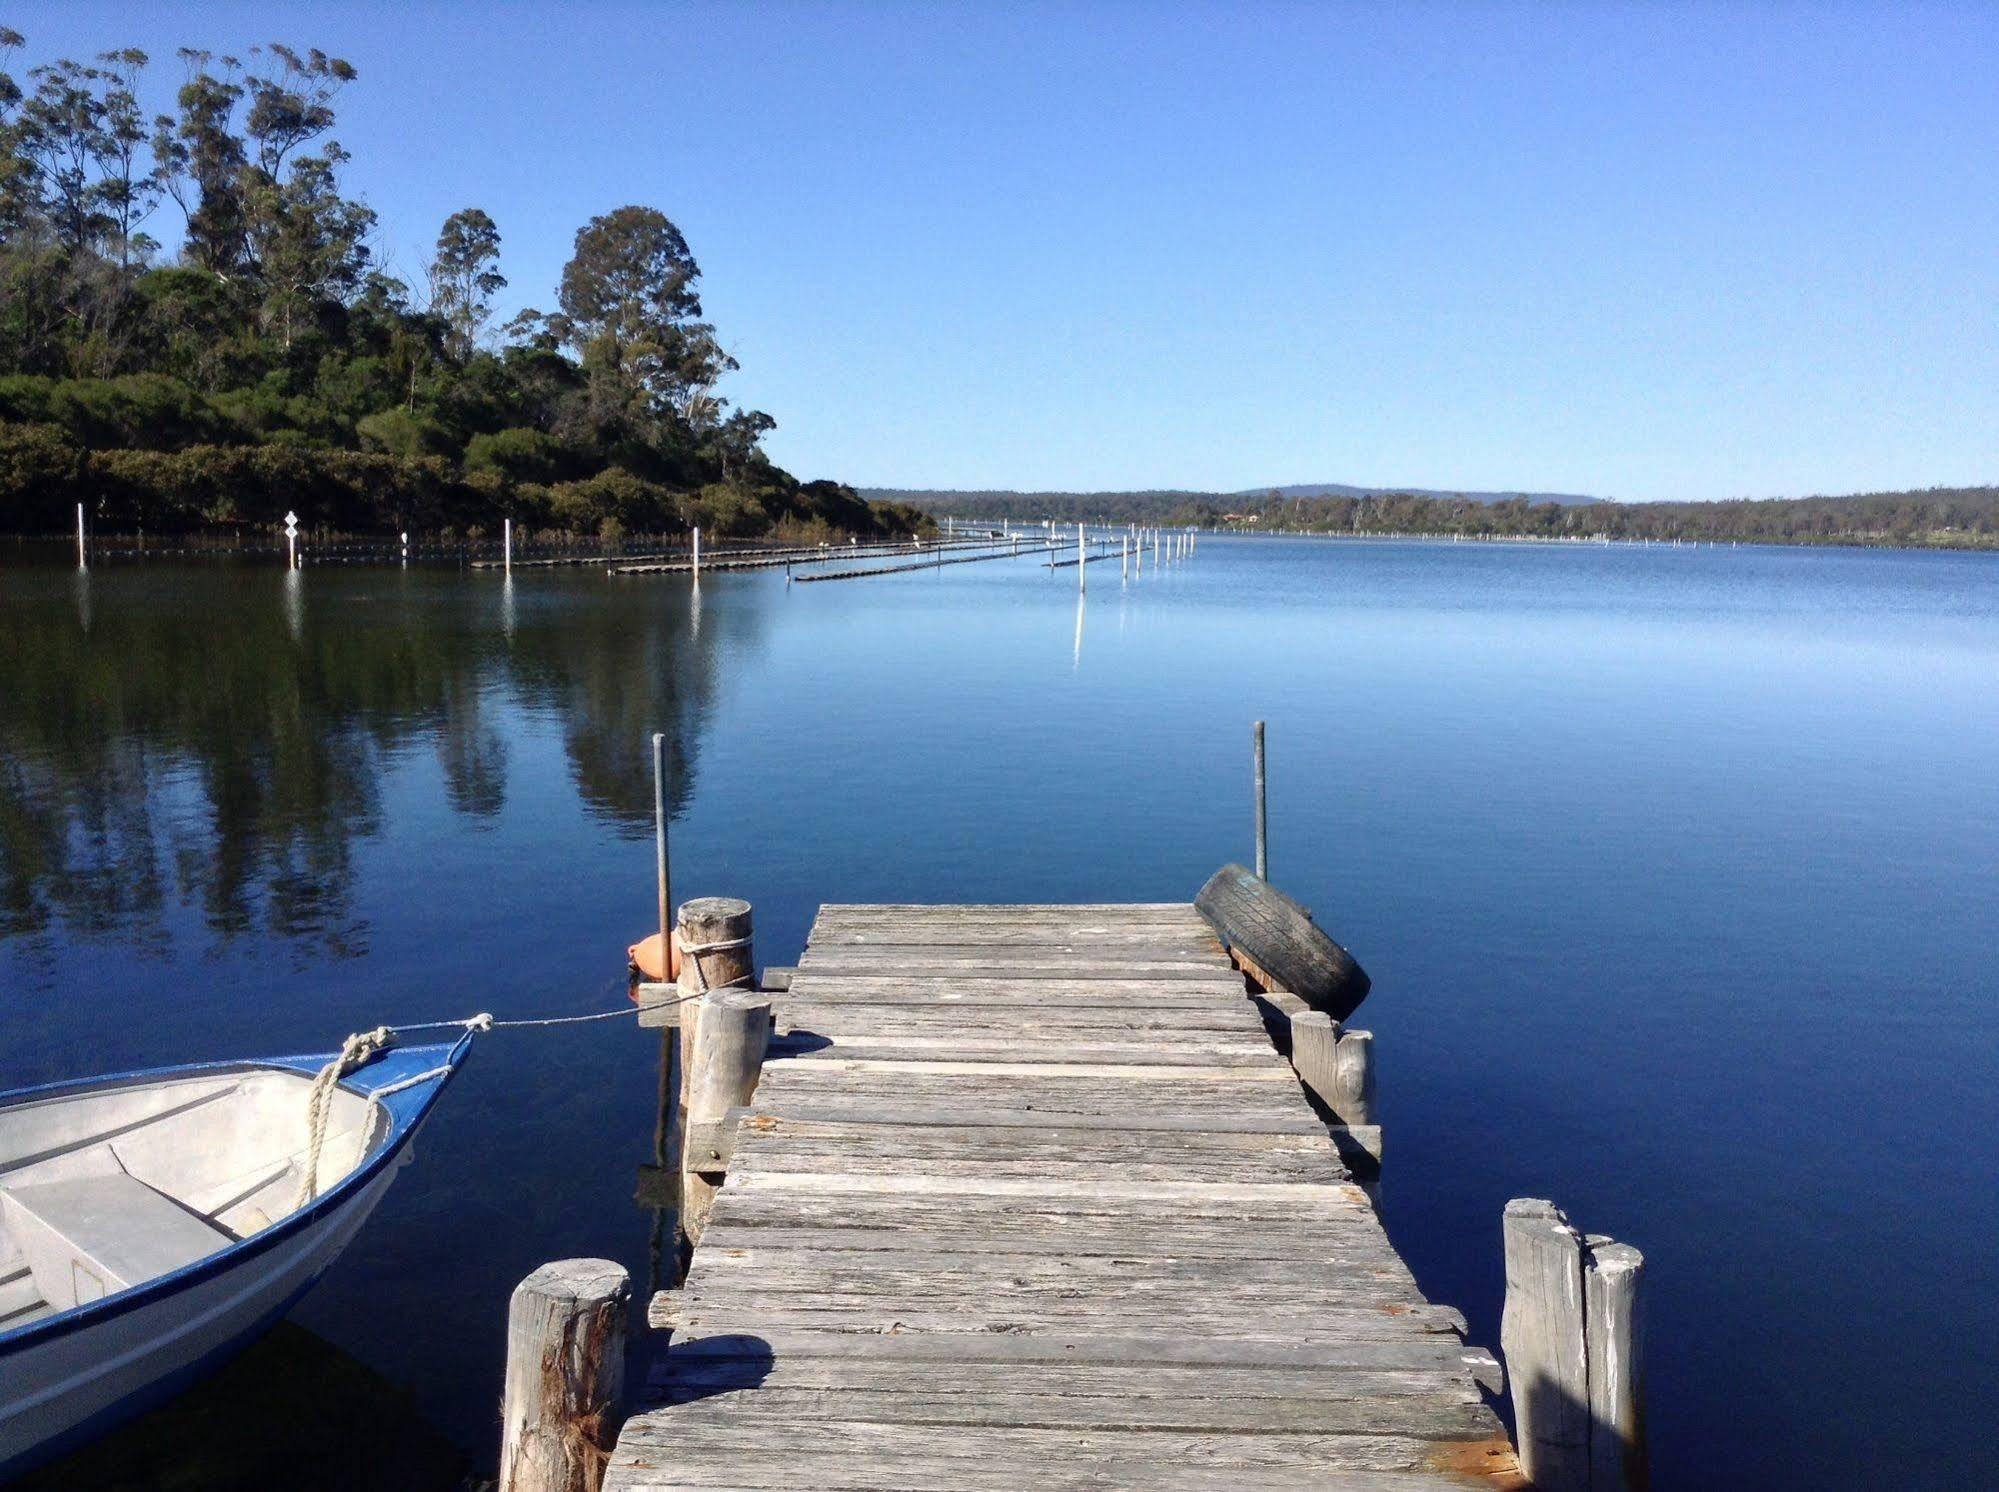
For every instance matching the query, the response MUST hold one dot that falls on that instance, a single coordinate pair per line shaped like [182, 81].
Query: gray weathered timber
[1614, 1333]
[731, 1037]
[1541, 1335]
[1027, 1196]
[1352, 1098]
[1276, 938]
[565, 1376]
[715, 940]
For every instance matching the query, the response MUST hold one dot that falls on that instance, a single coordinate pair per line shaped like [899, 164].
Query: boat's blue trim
[406, 1111]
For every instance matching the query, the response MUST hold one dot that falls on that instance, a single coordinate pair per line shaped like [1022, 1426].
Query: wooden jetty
[1030, 1196]
[749, 559]
[936, 561]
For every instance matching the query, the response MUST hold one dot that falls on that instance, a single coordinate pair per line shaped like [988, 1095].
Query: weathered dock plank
[1025, 1196]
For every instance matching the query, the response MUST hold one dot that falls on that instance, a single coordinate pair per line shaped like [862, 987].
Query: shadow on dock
[293, 1411]
[710, 1366]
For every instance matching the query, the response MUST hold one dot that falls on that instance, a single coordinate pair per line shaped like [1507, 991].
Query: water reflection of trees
[167, 740]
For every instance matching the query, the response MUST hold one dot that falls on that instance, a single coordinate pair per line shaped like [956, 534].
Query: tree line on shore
[1939, 517]
[275, 361]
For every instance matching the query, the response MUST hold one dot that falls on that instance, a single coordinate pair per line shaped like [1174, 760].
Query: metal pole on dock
[1082, 560]
[669, 1138]
[80, 561]
[1124, 557]
[659, 850]
[507, 541]
[1262, 821]
[697, 551]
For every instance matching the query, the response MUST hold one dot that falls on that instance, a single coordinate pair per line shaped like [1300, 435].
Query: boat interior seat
[93, 1236]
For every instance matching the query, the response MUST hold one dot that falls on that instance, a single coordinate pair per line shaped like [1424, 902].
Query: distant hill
[1933, 517]
[1157, 503]
[1338, 489]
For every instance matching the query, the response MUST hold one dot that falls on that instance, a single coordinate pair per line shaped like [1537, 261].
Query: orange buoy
[645, 958]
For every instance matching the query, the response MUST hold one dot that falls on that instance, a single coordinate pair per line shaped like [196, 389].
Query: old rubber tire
[1278, 936]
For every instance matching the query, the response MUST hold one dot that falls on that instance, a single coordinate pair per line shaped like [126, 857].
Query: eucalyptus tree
[631, 310]
[124, 194]
[463, 276]
[308, 243]
[61, 138]
[199, 160]
[20, 194]
[293, 104]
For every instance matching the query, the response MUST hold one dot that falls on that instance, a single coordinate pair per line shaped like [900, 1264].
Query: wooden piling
[731, 1037]
[1541, 1334]
[1314, 1036]
[715, 944]
[1352, 1096]
[1615, 1339]
[507, 545]
[563, 1400]
[715, 955]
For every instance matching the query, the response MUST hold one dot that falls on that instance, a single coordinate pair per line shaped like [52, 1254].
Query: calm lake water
[1674, 869]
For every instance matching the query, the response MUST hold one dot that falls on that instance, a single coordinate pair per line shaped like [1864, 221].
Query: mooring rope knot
[364, 1046]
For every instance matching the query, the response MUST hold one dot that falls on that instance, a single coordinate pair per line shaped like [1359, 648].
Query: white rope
[355, 1050]
[422, 1077]
[363, 1046]
[696, 950]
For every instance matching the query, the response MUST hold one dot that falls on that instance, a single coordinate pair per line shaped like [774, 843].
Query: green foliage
[40, 467]
[518, 455]
[253, 486]
[633, 503]
[275, 354]
[140, 409]
[398, 432]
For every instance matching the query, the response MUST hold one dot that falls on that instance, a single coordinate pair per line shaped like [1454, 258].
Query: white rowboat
[150, 1224]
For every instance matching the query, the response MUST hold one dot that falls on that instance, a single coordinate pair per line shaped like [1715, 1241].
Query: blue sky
[1639, 251]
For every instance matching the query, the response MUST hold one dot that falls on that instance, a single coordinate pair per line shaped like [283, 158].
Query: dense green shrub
[638, 506]
[40, 468]
[399, 432]
[520, 455]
